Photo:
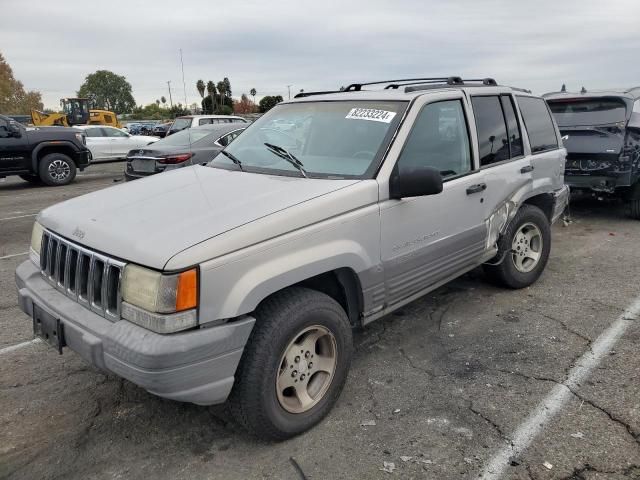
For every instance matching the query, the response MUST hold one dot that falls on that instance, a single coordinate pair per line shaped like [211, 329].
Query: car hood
[149, 221]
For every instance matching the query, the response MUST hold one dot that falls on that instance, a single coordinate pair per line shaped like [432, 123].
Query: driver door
[430, 239]
[120, 142]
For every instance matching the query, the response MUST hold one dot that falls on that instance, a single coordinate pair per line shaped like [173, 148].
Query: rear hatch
[593, 131]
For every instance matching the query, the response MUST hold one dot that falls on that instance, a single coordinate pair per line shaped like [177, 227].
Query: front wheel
[523, 249]
[294, 366]
[57, 169]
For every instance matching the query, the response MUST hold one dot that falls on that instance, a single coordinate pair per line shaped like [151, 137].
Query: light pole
[289, 88]
[170, 98]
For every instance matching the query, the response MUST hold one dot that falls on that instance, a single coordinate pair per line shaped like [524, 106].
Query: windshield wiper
[288, 156]
[233, 158]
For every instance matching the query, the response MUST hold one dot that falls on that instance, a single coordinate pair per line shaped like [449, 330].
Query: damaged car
[601, 132]
[242, 280]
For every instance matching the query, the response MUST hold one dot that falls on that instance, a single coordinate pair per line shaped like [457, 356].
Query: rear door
[427, 240]
[14, 151]
[98, 143]
[547, 155]
[508, 173]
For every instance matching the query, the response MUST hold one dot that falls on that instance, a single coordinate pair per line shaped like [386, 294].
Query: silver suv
[244, 278]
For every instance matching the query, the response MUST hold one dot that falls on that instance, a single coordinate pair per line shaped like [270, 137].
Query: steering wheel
[364, 153]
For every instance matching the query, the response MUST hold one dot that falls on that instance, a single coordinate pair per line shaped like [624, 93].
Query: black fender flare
[53, 143]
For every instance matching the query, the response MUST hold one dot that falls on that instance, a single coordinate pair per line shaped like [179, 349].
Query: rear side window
[493, 142]
[205, 121]
[439, 139]
[537, 120]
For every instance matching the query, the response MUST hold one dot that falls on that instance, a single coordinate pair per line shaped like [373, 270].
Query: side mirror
[415, 182]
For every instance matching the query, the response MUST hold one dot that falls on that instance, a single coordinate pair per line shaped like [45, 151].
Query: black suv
[601, 132]
[50, 155]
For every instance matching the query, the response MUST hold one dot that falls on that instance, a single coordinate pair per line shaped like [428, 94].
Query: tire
[255, 401]
[57, 169]
[517, 269]
[633, 204]
[33, 179]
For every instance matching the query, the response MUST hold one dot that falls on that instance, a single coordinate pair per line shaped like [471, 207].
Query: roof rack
[410, 84]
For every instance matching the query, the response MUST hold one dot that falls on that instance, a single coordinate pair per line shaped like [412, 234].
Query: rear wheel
[294, 366]
[57, 169]
[523, 248]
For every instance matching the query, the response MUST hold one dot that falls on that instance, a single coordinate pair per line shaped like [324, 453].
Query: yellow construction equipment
[75, 111]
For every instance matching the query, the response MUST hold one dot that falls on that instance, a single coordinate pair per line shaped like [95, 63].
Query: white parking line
[560, 394]
[19, 346]
[19, 216]
[14, 255]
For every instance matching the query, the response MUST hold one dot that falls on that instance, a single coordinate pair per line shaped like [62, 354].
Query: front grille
[91, 279]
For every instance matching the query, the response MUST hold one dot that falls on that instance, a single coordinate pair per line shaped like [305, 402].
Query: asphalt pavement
[470, 381]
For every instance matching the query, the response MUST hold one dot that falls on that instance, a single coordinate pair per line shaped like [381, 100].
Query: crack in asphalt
[562, 324]
[630, 430]
[495, 426]
[578, 472]
[417, 367]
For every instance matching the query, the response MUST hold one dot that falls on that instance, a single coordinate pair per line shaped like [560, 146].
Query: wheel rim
[527, 247]
[306, 369]
[59, 170]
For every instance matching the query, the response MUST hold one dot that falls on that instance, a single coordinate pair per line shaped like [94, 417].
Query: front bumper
[82, 159]
[196, 366]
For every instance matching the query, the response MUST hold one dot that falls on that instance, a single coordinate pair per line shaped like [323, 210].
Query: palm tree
[157, 102]
[222, 91]
[211, 90]
[253, 93]
[163, 100]
[200, 87]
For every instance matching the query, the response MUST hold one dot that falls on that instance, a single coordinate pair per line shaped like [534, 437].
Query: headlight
[167, 303]
[36, 237]
[81, 138]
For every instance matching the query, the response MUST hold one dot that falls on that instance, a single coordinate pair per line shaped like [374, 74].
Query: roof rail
[309, 94]
[410, 84]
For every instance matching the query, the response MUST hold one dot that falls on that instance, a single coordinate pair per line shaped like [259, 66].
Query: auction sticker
[372, 114]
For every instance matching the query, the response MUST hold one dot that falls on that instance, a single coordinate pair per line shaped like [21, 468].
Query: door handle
[480, 187]
[527, 169]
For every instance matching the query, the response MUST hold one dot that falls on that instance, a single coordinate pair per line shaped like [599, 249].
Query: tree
[200, 87]
[222, 90]
[244, 105]
[108, 91]
[163, 99]
[227, 87]
[13, 98]
[268, 102]
[211, 90]
[253, 93]
[158, 101]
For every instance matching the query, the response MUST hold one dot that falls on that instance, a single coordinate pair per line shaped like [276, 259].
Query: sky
[318, 45]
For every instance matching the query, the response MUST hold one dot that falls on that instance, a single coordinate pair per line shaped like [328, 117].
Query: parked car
[161, 130]
[110, 143]
[243, 279]
[185, 148]
[191, 121]
[601, 132]
[49, 155]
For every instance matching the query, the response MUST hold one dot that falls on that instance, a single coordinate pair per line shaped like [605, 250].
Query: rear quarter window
[539, 124]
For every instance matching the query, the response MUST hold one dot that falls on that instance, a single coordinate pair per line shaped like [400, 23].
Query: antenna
[564, 88]
[584, 90]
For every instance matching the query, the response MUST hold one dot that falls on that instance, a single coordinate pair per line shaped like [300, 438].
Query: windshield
[181, 124]
[344, 139]
[589, 111]
[183, 138]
